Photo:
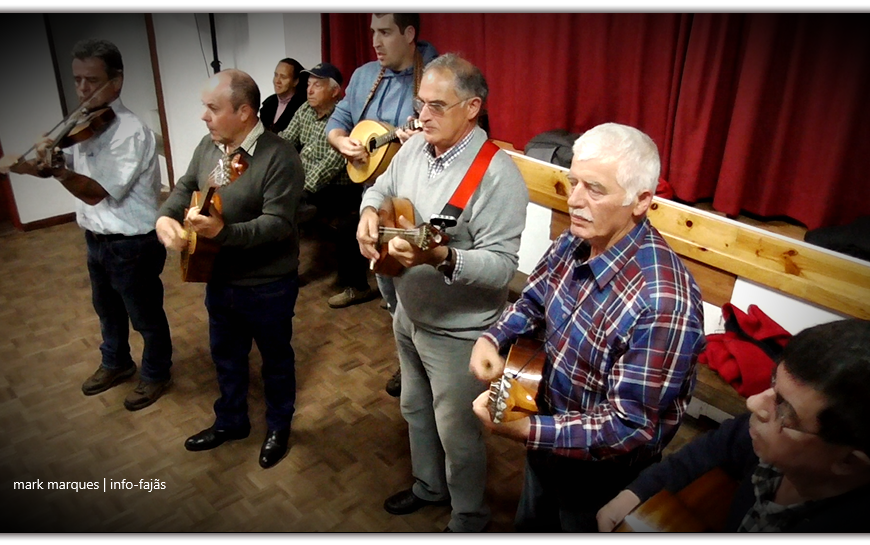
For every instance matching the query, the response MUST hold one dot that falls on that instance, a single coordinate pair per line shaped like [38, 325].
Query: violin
[89, 125]
[80, 125]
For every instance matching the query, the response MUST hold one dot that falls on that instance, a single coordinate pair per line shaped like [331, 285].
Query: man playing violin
[447, 295]
[115, 177]
[253, 287]
[622, 322]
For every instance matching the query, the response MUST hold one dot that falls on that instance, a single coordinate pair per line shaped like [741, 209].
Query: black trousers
[563, 494]
[339, 205]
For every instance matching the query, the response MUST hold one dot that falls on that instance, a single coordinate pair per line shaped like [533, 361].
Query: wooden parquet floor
[349, 447]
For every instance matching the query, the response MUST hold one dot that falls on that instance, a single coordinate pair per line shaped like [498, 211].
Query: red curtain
[762, 113]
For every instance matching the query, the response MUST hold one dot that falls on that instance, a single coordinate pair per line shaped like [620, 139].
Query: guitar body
[512, 396]
[702, 506]
[388, 215]
[197, 259]
[381, 142]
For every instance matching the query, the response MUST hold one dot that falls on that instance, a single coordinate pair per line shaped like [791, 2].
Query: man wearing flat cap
[327, 185]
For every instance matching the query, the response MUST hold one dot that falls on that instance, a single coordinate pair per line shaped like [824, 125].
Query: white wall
[250, 42]
[302, 39]
[30, 107]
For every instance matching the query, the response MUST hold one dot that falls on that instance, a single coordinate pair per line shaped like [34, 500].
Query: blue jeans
[238, 315]
[126, 285]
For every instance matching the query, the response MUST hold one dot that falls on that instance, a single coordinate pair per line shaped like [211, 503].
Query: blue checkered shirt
[623, 331]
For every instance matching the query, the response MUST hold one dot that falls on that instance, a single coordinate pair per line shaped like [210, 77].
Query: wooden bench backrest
[814, 274]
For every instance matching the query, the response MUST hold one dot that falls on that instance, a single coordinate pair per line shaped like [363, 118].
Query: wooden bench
[718, 251]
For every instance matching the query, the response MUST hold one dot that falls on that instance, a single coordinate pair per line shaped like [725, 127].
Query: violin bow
[80, 110]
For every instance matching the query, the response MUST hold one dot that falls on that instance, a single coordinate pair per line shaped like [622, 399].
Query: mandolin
[381, 143]
[425, 236]
[197, 258]
[512, 396]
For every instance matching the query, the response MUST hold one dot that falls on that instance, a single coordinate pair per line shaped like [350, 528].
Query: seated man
[623, 326]
[327, 185]
[800, 454]
[289, 84]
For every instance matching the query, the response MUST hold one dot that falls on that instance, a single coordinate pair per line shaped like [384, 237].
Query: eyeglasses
[785, 414]
[435, 108]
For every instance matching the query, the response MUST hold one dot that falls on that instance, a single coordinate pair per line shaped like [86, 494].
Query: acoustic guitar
[425, 236]
[381, 143]
[702, 506]
[512, 396]
[197, 258]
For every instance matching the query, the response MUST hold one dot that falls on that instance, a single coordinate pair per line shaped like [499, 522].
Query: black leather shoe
[274, 447]
[406, 502]
[211, 438]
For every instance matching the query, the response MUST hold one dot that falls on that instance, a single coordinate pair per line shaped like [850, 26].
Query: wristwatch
[446, 266]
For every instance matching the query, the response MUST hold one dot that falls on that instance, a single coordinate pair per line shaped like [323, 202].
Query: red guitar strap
[467, 187]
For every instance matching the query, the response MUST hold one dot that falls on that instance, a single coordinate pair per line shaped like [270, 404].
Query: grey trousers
[448, 453]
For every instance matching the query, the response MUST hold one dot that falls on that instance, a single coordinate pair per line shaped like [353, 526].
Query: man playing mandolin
[115, 177]
[622, 324]
[447, 295]
[381, 90]
[253, 287]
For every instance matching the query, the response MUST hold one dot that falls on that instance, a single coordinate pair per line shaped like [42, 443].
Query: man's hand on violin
[205, 226]
[171, 233]
[10, 163]
[409, 255]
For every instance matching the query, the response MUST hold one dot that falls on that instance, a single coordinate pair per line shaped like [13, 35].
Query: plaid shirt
[766, 515]
[322, 163]
[623, 332]
[437, 165]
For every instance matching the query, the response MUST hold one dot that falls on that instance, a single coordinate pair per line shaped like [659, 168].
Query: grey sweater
[487, 236]
[260, 241]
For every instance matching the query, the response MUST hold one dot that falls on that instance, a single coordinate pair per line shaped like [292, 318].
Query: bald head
[231, 99]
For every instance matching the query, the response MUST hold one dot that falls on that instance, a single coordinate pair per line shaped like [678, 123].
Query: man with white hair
[622, 324]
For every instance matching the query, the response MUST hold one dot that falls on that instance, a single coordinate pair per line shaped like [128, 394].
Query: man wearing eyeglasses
[447, 295]
[800, 454]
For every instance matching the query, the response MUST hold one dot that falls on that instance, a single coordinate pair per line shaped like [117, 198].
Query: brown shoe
[145, 394]
[103, 379]
[394, 385]
[352, 296]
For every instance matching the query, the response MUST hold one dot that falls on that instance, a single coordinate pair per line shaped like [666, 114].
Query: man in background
[383, 90]
[327, 184]
[289, 85]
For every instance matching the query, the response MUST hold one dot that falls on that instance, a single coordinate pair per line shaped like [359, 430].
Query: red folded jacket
[744, 355]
